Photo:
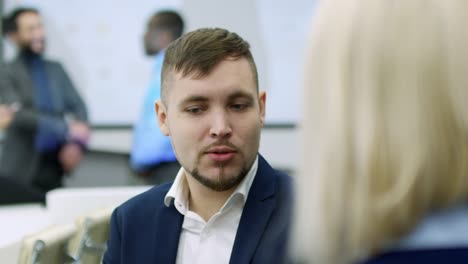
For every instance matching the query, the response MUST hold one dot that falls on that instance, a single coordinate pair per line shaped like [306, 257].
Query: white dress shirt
[209, 242]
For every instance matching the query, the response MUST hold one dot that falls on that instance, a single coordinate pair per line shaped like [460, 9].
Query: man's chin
[30, 51]
[151, 52]
[224, 169]
[220, 179]
[38, 50]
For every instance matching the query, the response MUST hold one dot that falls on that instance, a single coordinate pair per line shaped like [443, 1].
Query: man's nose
[220, 125]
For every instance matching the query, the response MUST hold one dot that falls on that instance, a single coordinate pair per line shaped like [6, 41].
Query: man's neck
[204, 201]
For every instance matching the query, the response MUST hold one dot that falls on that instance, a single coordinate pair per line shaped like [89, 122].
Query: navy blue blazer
[144, 230]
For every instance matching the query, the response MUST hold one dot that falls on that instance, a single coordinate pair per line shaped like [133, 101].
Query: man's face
[30, 35]
[214, 123]
[155, 39]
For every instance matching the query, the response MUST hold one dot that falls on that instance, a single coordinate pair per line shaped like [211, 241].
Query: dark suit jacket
[144, 230]
[426, 256]
[20, 160]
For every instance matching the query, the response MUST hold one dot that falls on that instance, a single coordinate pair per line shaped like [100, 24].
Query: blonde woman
[385, 132]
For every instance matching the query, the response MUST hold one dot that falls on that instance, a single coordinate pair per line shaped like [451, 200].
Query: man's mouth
[221, 153]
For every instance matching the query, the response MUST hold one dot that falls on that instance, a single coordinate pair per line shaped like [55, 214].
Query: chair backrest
[89, 242]
[47, 246]
[85, 200]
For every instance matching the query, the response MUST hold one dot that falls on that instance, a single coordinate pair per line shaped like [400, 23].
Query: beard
[149, 51]
[221, 182]
[26, 48]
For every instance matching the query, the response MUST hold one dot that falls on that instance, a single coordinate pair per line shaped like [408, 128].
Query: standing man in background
[48, 131]
[152, 156]
[11, 190]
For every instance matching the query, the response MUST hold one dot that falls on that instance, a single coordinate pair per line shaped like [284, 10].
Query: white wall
[100, 44]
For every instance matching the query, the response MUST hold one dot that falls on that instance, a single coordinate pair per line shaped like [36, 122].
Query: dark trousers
[12, 192]
[49, 173]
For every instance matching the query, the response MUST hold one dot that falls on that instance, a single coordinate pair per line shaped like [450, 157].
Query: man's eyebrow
[194, 98]
[240, 94]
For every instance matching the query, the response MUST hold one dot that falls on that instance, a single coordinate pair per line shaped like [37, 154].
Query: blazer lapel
[257, 211]
[23, 82]
[166, 236]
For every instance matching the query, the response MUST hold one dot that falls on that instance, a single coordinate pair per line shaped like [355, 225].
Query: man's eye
[239, 107]
[194, 110]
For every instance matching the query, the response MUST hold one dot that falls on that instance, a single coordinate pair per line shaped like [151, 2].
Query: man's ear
[161, 114]
[262, 104]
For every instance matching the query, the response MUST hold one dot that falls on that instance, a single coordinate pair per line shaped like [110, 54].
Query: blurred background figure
[6, 96]
[152, 156]
[47, 129]
[11, 190]
[384, 175]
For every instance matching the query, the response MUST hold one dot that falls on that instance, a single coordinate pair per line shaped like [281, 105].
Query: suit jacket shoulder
[57, 68]
[146, 201]
[144, 230]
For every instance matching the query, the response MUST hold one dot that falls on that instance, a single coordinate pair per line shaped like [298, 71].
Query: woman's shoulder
[441, 237]
[427, 256]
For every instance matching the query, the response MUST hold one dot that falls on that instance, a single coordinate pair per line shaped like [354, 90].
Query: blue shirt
[150, 147]
[50, 133]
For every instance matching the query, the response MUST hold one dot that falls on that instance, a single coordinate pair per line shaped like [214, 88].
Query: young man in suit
[47, 132]
[227, 204]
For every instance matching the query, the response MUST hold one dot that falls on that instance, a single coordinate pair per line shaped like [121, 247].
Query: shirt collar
[179, 190]
[159, 58]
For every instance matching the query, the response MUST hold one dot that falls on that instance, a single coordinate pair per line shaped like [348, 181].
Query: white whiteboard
[100, 44]
[285, 27]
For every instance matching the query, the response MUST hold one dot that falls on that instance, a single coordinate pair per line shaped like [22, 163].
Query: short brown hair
[198, 52]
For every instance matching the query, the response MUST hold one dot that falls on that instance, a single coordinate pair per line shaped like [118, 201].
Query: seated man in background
[152, 156]
[227, 204]
[47, 131]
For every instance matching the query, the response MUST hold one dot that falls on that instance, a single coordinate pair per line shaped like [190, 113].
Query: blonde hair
[385, 126]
